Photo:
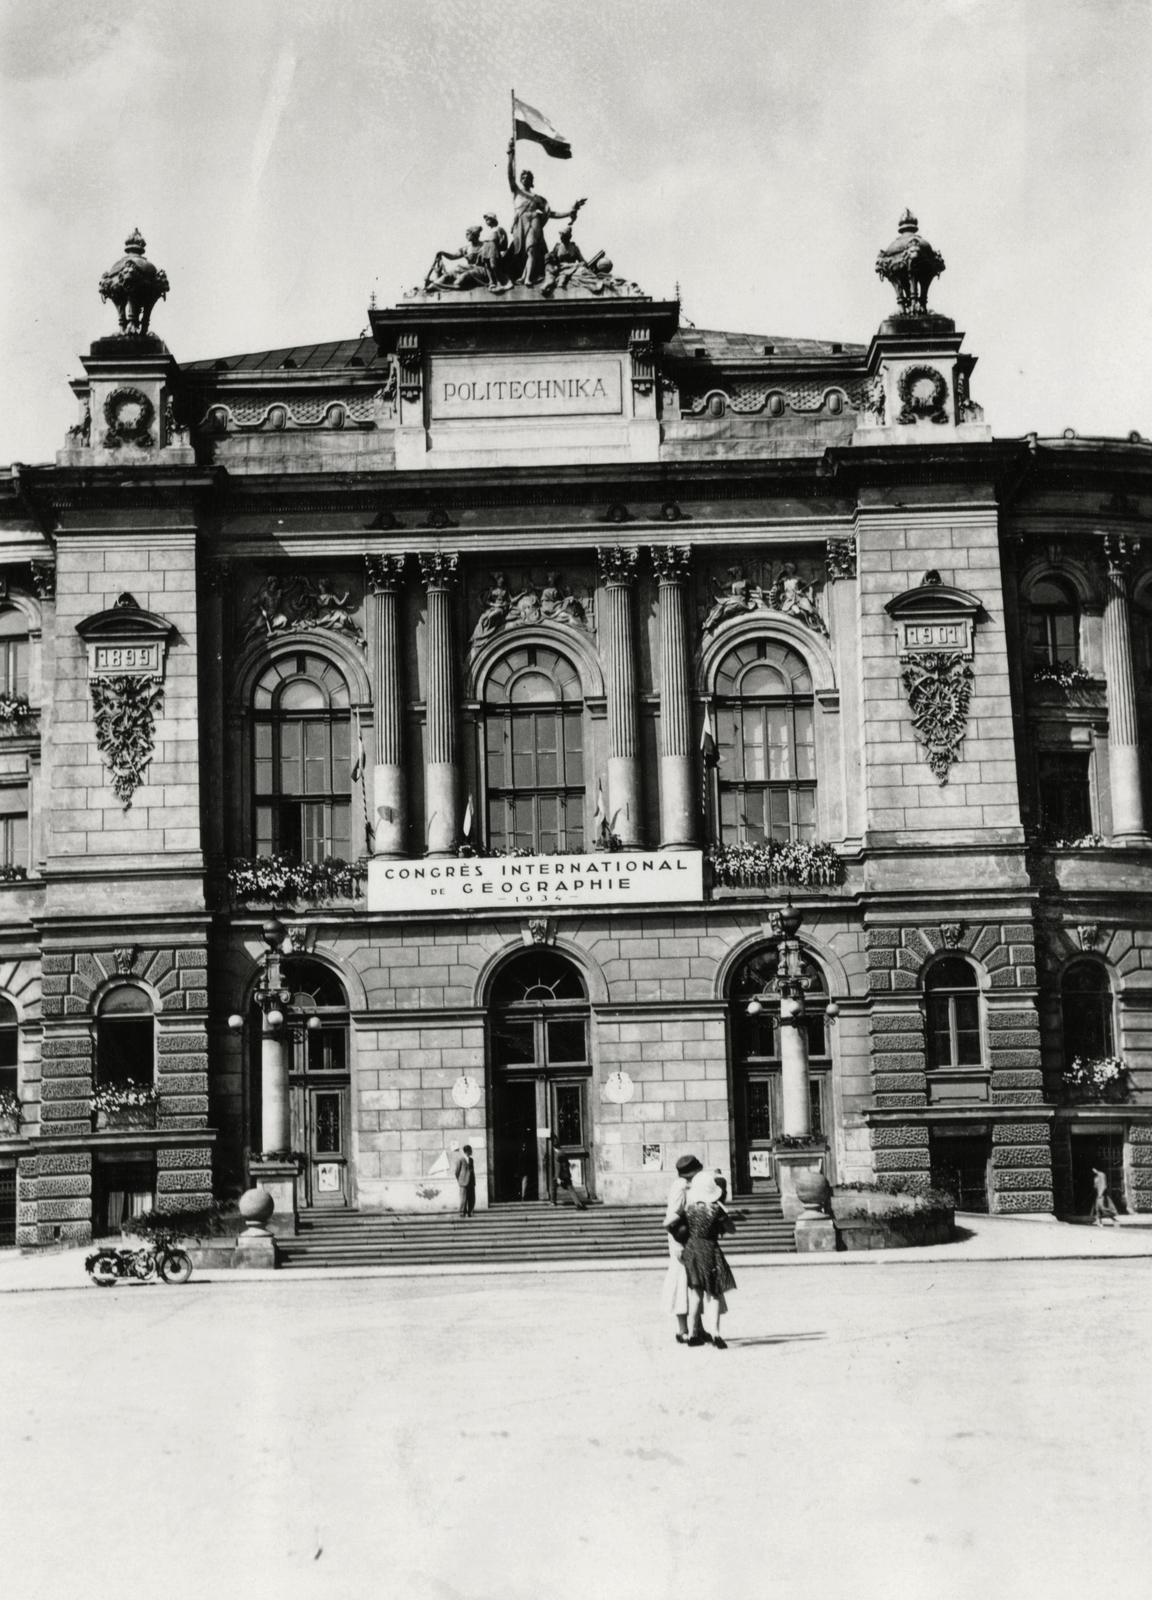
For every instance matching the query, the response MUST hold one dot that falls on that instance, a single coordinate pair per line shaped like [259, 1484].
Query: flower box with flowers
[1101, 1081]
[789, 863]
[15, 713]
[276, 880]
[1062, 675]
[9, 1114]
[125, 1105]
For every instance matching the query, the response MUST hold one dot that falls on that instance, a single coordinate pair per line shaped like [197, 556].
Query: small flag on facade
[361, 760]
[708, 741]
[601, 818]
[530, 124]
[468, 819]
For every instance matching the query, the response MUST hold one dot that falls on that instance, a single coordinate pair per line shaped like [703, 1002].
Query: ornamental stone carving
[126, 706]
[124, 957]
[671, 562]
[939, 691]
[438, 568]
[44, 580]
[296, 605]
[840, 559]
[952, 933]
[1088, 934]
[910, 265]
[617, 564]
[385, 572]
[547, 603]
[129, 414]
[785, 592]
[923, 392]
[134, 285]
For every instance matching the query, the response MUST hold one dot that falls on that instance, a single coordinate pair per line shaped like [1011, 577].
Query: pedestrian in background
[1102, 1203]
[675, 1281]
[466, 1178]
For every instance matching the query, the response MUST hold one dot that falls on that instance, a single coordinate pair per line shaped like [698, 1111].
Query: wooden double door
[321, 1096]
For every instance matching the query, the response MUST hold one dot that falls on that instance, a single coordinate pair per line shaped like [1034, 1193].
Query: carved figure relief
[291, 605]
[785, 592]
[548, 603]
[126, 707]
[939, 691]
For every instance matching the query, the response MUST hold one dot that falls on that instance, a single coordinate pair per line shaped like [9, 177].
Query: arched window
[125, 1038]
[9, 1047]
[13, 653]
[756, 1060]
[302, 777]
[534, 753]
[1055, 624]
[953, 1014]
[1086, 1010]
[765, 743]
[540, 1074]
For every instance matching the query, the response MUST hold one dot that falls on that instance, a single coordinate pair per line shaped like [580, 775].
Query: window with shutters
[533, 753]
[302, 761]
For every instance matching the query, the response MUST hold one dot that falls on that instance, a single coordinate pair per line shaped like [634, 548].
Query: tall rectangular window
[1064, 793]
[14, 828]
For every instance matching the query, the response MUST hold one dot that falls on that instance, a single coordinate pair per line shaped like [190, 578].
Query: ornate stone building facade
[521, 656]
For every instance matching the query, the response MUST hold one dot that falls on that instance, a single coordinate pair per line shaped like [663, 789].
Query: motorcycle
[144, 1265]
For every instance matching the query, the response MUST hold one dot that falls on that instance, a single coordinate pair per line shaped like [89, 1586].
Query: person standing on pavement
[675, 1280]
[1102, 1203]
[708, 1273]
[466, 1179]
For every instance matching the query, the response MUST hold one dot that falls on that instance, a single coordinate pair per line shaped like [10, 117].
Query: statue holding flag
[526, 241]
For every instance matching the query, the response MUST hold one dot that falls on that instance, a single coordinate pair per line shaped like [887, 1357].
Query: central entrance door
[538, 1047]
[319, 1082]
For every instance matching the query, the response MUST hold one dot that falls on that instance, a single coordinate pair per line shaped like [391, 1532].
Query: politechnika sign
[639, 877]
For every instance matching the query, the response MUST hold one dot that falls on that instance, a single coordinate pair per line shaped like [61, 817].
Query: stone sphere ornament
[256, 1207]
[813, 1191]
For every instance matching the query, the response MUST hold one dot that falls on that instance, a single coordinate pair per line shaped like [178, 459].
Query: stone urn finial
[910, 265]
[134, 285]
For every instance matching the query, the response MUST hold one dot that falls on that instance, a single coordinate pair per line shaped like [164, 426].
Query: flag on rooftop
[531, 124]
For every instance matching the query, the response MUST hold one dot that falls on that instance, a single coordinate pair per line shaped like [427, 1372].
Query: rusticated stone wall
[183, 1177]
[1021, 1173]
[54, 1198]
[1139, 1173]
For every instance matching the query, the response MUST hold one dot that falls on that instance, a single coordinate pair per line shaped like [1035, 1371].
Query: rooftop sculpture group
[499, 260]
[134, 285]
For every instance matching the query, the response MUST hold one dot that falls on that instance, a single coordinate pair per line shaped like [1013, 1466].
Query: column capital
[438, 568]
[44, 579]
[840, 559]
[1119, 549]
[218, 574]
[385, 572]
[671, 562]
[618, 564]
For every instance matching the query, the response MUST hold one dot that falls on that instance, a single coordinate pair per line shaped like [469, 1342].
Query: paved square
[891, 1429]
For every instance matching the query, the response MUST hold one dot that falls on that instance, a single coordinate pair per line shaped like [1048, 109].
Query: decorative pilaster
[1123, 738]
[390, 827]
[618, 575]
[677, 788]
[441, 780]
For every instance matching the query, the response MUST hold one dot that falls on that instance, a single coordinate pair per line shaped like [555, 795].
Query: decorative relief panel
[298, 605]
[935, 626]
[550, 601]
[765, 586]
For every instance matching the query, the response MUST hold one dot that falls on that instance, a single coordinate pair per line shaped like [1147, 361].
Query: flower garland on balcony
[276, 879]
[1064, 674]
[9, 1106]
[761, 866]
[1105, 1078]
[12, 874]
[130, 1096]
[14, 708]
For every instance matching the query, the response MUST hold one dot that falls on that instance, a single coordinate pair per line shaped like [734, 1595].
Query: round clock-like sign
[466, 1092]
[618, 1087]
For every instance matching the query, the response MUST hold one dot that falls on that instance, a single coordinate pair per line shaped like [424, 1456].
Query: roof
[720, 346]
[342, 353]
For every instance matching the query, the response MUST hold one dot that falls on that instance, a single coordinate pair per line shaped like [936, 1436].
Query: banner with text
[639, 877]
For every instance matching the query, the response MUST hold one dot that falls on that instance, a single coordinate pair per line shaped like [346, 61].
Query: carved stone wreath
[916, 407]
[125, 710]
[138, 431]
[939, 692]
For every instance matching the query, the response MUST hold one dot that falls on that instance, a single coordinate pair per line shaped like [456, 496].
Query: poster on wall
[759, 1163]
[653, 1157]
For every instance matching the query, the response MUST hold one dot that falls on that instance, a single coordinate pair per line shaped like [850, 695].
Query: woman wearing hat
[676, 1281]
[708, 1273]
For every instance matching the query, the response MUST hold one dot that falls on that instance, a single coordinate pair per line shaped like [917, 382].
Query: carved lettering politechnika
[125, 708]
[296, 605]
[939, 692]
[547, 603]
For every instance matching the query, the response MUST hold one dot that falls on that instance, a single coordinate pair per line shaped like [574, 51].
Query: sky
[285, 159]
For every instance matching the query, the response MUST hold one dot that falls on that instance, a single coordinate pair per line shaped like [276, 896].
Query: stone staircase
[510, 1233]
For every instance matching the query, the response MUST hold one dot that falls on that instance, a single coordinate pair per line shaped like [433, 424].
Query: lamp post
[275, 1170]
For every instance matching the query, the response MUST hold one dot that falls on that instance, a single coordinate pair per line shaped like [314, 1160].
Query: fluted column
[390, 825]
[618, 576]
[441, 779]
[677, 786]
[1123, 737]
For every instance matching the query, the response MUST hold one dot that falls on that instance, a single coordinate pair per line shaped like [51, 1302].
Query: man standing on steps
[466, 1179]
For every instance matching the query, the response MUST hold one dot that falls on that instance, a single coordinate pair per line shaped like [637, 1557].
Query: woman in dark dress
[709, 1275]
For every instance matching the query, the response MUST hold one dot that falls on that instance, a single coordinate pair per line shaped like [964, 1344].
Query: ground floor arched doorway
[541, 1074]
